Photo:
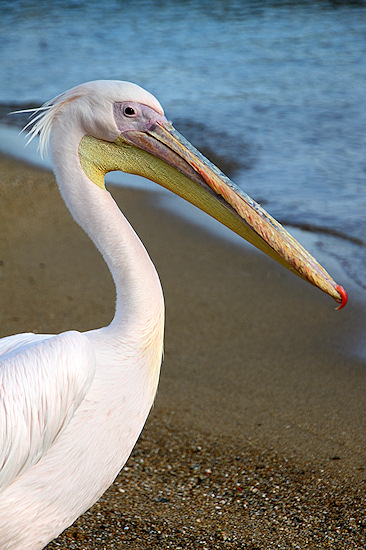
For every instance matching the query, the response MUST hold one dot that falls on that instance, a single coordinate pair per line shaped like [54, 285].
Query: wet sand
[257, 435]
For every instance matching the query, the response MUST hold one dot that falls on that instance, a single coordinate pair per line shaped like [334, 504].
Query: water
[276, 89]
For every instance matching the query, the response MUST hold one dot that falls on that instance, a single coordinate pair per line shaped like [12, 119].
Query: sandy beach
[257, 436]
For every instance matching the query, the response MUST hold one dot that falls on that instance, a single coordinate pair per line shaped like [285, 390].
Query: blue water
[277, 89]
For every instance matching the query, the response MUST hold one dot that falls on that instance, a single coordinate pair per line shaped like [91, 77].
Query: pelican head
[123, 127]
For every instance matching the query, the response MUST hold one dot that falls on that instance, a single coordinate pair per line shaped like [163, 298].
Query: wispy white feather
[42, 118]
[37, 126]
[41, 123]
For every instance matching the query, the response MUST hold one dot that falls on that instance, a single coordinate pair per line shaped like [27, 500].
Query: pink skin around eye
[142, 120]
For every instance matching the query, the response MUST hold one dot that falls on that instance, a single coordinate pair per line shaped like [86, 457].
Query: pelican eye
[129, 111]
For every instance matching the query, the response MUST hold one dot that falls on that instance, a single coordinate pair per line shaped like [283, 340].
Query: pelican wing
[43, 380]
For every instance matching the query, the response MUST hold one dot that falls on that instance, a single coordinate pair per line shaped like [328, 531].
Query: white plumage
[31, 420]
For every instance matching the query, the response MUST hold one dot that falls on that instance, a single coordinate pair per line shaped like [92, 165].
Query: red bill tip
[343, 293]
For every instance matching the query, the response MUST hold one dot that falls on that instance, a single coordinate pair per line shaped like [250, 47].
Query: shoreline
[257, 365]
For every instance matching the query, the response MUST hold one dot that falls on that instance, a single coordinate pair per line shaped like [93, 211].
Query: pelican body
[73, 405]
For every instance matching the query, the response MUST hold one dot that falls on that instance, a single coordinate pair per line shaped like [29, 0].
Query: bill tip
[344, 296]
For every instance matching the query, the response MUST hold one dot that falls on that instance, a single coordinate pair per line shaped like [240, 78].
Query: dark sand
[257, 436]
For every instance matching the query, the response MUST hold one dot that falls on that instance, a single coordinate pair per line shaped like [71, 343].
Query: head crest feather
[42, 118]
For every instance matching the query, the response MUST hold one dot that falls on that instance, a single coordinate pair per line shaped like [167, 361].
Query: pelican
[73, 404]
